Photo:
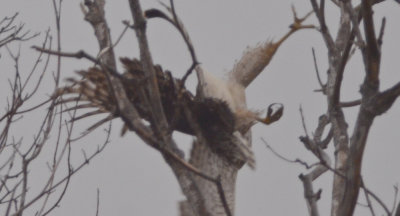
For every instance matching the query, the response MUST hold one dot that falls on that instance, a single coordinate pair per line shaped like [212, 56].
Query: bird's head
[274, 113]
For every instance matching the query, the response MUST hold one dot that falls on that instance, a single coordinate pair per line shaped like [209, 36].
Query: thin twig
[376, 198]
[222, 195]
[396, 191]
[98, 202]
[323, 86]
[177, 23]
[354, 19]
[382, 31]
[319, 12]
[369, 204]
[79, 55]
[305, 164]
[73, 172]
[105, 50]
[303, 122]
[350, 103]
[189, 44]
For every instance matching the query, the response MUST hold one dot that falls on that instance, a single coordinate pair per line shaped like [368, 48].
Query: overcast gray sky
[134, 180]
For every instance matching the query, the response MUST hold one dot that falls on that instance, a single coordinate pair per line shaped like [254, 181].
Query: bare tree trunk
[349, 153]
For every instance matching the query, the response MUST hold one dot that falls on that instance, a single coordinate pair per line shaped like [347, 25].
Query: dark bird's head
[274, 113]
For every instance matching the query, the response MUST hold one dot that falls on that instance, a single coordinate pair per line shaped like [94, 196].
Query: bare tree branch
[309, 194]
[371, 53]
[381, 203]
[98, 202]
[381, 32]
[317, 72]
[147, 62]
[306, 165]
[398, 210]
[320, 13]
[7, 24]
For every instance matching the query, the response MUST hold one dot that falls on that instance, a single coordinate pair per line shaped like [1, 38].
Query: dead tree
[17, 155]
[153, 104]
[349, 148]
[216, 115]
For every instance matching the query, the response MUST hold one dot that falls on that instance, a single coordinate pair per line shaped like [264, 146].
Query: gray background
[134, 180]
